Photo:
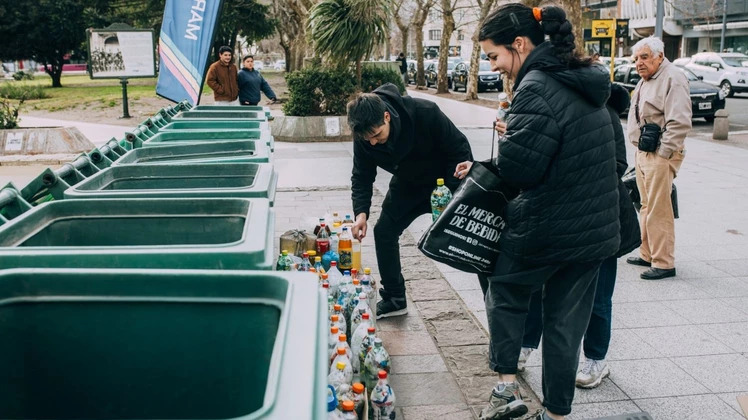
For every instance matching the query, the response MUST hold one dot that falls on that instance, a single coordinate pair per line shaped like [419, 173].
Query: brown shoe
[658, 273]
[638, 261]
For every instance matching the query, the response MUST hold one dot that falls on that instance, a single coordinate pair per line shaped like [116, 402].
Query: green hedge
[318, 91]
[373, 77]
[21, 91]
[8, 114]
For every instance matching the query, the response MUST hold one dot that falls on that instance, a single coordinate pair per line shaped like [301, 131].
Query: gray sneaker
[505, 403]
[592, 373]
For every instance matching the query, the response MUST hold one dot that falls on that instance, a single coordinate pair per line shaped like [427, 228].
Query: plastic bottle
[333, 413]
[318, 266]
[332, 342]
[336, 219]
[334, 242]
[345, 393]
[284, 262]
[323, 240]
[367, 343]
[339, 374]
[377, 359]
[439, 199]
[354, 274]
[504, 105]
[334, 276]
[348, 220]
[319, 225]
[359, 398]
[343, 343]
[342, 322]
[341, 355]
[335, 322]
[383, 398]
[368, 287]
[305, 263]
[345, 250]
[349, 410]
[312, 255]
[359, 311]
[357, 339]
[356, 255]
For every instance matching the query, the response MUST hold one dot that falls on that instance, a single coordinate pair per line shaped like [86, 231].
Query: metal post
[659, 18]
[724, 26]
[125, 108]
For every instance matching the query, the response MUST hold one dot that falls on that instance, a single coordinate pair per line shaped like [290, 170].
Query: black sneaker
[505, 403]
[388, 307]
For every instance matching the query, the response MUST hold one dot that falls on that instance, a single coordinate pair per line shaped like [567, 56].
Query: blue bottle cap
[347, 272]
[332, 400]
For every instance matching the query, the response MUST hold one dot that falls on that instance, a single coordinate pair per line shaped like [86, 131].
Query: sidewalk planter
[215, 233]
[161, 344]
[230, 180]
[218, 151]
[255, 108]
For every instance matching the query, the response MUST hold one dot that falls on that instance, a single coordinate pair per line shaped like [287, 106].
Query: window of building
[435, 34]
[460, 36]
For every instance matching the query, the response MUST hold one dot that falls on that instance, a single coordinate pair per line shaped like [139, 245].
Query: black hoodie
[560, 153]
[423, 145]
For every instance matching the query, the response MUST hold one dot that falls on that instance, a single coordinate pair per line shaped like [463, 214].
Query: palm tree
[346, 31]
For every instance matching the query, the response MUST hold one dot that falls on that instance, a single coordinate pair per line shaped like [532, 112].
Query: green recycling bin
[238, 180]
[217, 151]
[236, 113]
[210, 233]
[255, 108]
[215, 125]
[169, 138]
[161, 344]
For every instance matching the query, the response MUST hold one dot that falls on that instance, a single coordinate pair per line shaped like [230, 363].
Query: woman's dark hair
[509, 21]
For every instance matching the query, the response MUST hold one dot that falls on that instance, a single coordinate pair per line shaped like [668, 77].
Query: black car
[487, 79]
[412, 69]
[430, 71]
[705, 99]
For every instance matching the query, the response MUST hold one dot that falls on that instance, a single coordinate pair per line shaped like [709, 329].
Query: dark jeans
[250, 103]
[597, 336]
[569, 291]
[401, 206]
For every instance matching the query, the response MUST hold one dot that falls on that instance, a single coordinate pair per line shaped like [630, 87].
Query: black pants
[568, 294]
[401, 206]
[250, 103]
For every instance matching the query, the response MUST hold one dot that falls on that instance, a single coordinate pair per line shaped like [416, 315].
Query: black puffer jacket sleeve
[362, 180]
[531, 141]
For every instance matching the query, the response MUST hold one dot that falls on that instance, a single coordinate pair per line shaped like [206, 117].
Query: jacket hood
[592, 83]
[619, 98]
[401, 122]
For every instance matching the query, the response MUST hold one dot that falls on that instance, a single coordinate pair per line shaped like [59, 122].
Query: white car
[729, 71]
[280, 65]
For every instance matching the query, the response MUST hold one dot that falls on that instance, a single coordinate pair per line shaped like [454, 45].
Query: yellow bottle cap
[340, 365]
[440, 181]
[367, 270]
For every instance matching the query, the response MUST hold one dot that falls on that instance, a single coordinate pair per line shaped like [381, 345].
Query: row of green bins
[215, 151]
[161, 344]
[235, 113]
[168, 138]
[256, 108]
[179, 233]
[207, 131]
[230, 180]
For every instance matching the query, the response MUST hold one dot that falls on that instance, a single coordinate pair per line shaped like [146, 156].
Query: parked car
[487, 78]
[619, 61]
[412, 70]
[681, 62]
[705, 99]
[431, 72]
[280, 65]
[729, 71]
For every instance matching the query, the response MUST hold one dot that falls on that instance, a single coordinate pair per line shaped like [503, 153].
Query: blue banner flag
[184, 45]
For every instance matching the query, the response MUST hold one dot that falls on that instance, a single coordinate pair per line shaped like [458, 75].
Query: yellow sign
[603, 28]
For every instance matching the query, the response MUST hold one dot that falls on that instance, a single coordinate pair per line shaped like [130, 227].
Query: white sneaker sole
[603, 375]
[399, 312]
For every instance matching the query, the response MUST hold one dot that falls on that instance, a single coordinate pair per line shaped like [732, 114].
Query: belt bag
[649, 140]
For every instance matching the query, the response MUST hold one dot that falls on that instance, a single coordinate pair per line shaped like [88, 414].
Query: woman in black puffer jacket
[559, 153]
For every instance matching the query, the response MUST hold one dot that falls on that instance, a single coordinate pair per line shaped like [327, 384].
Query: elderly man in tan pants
[662, 97]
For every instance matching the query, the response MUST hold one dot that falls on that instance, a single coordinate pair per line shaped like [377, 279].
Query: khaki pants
[654, 178]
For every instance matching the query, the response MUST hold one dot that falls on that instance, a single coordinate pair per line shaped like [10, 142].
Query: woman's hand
[462, 169]
[500, 126]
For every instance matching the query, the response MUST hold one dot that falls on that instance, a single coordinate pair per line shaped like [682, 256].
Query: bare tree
[403, 16]
[698, 12]
[484, 7]
[292, 17]
[419, 20]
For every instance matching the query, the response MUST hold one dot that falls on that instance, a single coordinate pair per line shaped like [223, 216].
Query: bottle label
[346, 259]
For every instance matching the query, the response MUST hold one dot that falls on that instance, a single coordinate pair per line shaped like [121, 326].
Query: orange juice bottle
[345, 250]
[356, 255]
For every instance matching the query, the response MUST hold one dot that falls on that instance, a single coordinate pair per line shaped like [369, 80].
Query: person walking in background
[559, 151]
[251, 83]
[412, 139]
[403, 67]
[222, 78]
[597, 336]
[662, 97]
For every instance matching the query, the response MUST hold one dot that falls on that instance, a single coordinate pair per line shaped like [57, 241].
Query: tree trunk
[404, 47]
[442, 85]
[472, 85]
[54, 70]
[419, 21]
[358, 72]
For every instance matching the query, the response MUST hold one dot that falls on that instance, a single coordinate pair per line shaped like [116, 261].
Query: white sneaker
[592, 373]
[524, 354]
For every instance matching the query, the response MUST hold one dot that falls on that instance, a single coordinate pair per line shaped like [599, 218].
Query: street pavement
[679, 347]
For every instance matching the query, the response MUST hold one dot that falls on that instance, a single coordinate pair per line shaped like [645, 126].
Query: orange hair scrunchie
[537, 13]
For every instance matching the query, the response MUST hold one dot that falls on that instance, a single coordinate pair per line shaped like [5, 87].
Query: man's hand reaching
[359, 227]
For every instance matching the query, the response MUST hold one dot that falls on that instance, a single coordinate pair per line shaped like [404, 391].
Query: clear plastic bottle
[318, 266]
[354, 274]
[339, 374]
[343, 344]
[356, 255]
[333, 413]
[334, 276]
[336, 219]
[345, 393]
[345, 250]
[341, 356]
[332, 342]
[335, 322]
[359, 311]
[504, 106]
[285, 263]
[319, 226]
[305, 263]
[383, 398]
[348, 220]
[323, 240]
[344, 301]
[377, 359]
[359, 398]
[338, 310]
[440, 197]
[349, 410]
[368, 287]
[367, 343]
[356, 341]
[334, 242]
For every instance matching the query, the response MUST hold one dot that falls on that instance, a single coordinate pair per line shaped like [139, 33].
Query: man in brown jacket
[222, 78]
[662, 97]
